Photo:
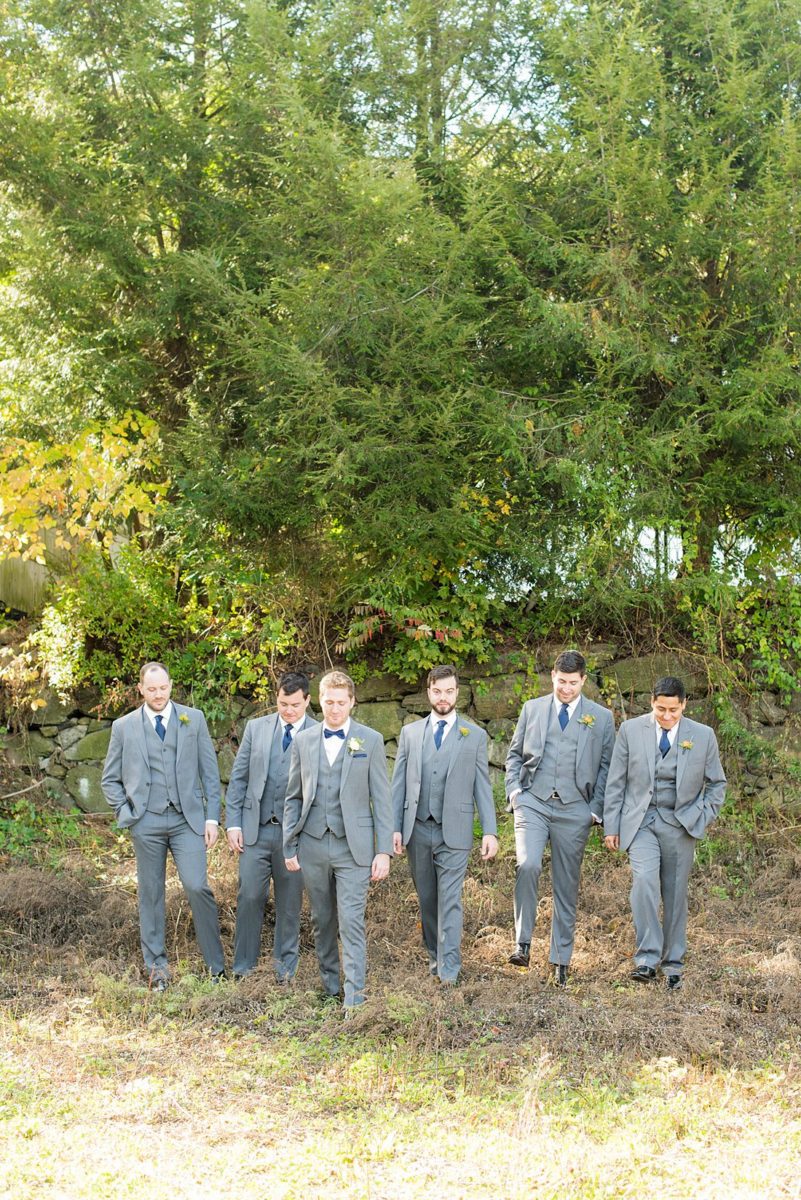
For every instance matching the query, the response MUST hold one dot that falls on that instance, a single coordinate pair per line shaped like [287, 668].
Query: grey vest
[326, 810]
[162, 757]
[664, 795]
[434, 773]
[274, 794]
[557, 767]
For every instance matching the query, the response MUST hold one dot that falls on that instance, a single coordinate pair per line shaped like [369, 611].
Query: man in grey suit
[665, 786]
[254, 814]
[161, 778]
[338, 829]
[441, 774]
[556, 772]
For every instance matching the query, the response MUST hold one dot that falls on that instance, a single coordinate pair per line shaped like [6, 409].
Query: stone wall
[67, 741]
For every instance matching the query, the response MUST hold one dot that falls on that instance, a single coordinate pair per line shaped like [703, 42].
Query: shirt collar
[672, 733]
[572, 706]
[450, 720]
[165, 716]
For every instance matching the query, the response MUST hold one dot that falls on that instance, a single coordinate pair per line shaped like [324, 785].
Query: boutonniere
[184, 719]
[354, 745]
[588, 719]
[686, 744]
[463, 731]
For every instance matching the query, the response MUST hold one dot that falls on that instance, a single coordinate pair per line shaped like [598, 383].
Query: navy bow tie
[340, 733]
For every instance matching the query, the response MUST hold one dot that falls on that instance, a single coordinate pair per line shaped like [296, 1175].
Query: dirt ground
[62, 931]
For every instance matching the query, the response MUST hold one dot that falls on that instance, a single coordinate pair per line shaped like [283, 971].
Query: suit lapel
[682, 754]
[179, 739]
[262, 750]
[543, 720]
[139, 732]
[649, 746]
[583, 731]
[456, 747]
[313, 747]
[347, 758]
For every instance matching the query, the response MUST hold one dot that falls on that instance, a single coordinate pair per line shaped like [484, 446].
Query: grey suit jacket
[594, 753]
[126, 771]
[249, 775]
[467, 784]
[700, 782]
[364, 792]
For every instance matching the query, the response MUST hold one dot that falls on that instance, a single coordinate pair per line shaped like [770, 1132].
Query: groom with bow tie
[338, 830]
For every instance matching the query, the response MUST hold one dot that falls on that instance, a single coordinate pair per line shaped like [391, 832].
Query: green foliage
[27, 829]
[422, 307]
[446, 618]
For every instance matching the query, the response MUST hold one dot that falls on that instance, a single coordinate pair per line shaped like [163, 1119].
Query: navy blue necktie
[438, 732]
[664, 743]
[340, 733]
[286, 741]
[160, 730]
[564, 717]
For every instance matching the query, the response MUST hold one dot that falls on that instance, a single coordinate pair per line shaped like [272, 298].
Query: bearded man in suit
[338, 829]
[254, 814]
[161, 778]
[441, 776]
[665, 786]
[556, 772]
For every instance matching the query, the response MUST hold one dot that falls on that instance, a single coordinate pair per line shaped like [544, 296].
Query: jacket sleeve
[514, 757]
[714, 781]
[380, 797]
[482, 789]
[111, 779]
[238, 783]
[399, 782]
[293, 803]
[615, 790]
[208, 769]
[607, 747]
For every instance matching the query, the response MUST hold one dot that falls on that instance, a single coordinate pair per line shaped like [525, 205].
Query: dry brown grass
[741, 998]
[505, 1087]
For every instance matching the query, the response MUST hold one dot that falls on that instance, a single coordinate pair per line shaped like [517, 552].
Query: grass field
[505, 1087]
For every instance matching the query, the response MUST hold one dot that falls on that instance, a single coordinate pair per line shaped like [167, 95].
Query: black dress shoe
[673, 983]
[159, 983]
[520, 958]
[218, 977]
[560, 974]
[643, 974]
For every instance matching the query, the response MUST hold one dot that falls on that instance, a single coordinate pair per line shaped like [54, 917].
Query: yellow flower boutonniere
[354, 745]
[588, 720]
[463, 731]
[686, 745]
[184, 719]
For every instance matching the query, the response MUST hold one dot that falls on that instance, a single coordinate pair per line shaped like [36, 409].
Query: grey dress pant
[337, 888]
[566, 827]
[153, 835]
[438, 873]
[258, 864]
[661, 858]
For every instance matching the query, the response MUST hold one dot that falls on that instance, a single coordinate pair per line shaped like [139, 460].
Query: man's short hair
[293, 681]
[669, 685]
[570, 662]
[152, 666]
[337, 679]
[443, 671]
